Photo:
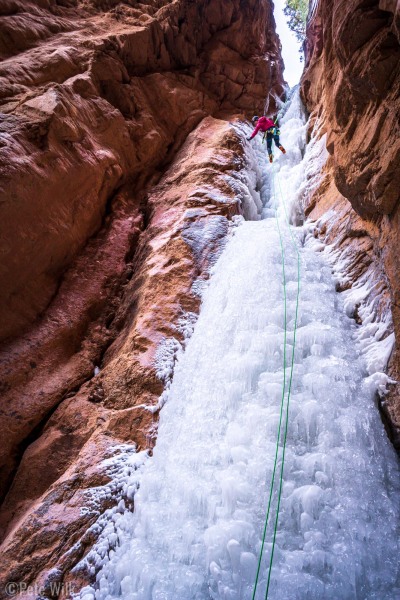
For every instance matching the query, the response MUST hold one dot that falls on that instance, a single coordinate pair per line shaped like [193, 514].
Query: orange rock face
[351, 86]
[93, 97]
[118, 167]
[353, 69]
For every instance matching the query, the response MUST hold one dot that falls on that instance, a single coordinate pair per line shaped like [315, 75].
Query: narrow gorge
[199, 362]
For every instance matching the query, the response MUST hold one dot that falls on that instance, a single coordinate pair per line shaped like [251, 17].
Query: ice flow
[199, 513]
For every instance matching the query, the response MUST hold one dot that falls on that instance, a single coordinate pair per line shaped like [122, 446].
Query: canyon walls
[120, 172]
[351, 87]
[115, 87]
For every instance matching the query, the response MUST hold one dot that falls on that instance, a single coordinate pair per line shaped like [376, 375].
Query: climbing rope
[289, 391]
[282, 407]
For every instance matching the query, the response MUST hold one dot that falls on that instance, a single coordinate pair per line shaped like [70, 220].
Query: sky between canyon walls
[290, 46]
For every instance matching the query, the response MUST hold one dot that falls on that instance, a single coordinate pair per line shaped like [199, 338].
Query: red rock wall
[99, 93]
[114, 153]
[351, 86]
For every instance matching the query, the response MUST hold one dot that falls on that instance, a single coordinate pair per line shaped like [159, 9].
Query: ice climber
[271, 131]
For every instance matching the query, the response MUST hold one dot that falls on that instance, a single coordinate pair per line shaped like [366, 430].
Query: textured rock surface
[115, 87]
[353, 71]
[116, 190]
[351, 85]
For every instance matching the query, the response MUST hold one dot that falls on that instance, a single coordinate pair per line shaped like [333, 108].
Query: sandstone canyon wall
[120, 172]
[351, 87]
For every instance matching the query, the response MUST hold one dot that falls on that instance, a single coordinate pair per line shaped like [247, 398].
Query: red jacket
[263, 124]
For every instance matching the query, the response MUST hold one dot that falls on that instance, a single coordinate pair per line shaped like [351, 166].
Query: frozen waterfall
[200, 509]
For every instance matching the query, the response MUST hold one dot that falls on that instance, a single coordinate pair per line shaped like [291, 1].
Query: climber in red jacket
[270, 128]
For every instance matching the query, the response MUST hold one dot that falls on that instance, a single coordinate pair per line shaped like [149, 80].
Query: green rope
[282, 400]
[281, 411]
[288, 401]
